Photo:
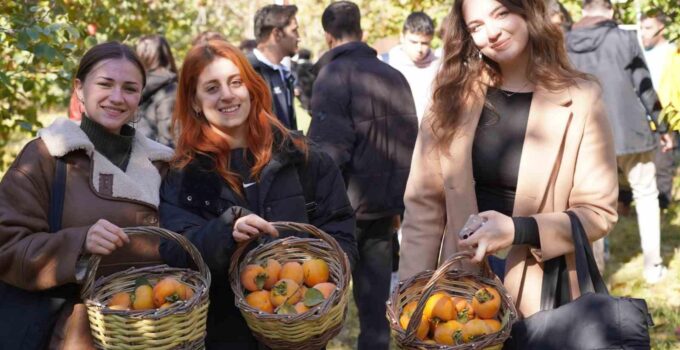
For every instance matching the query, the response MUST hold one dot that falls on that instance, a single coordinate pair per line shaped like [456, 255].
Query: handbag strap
[589, 277]
[56, 207]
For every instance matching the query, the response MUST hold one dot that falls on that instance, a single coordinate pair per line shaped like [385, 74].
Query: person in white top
[657, 51]
[657, 48]
[414, 58]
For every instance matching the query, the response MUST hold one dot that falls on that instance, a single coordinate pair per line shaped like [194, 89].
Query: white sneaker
[655, 274]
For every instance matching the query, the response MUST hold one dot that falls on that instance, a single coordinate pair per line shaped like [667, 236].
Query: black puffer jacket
[156, 106]
[199, 204]
[363, 115]
[598, 47]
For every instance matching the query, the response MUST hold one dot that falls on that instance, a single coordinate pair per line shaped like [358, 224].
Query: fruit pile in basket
[147, 296]
[288, 288]
[454, 320]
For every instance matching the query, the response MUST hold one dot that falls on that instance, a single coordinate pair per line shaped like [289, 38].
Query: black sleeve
[526, 231]
[334, 214]
[213, 238]
[642, 82]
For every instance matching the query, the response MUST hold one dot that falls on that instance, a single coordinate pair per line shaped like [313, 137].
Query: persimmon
[301, 308]
[120, 301]
[272, 269]
[326, 288]
[285, 291]
[253, 277]
[293, 271]
[464, 311]
[143, 297]
[474, 329]
[409, 309]
[166, 305]
[423, 327]
[494, 325]
[166, 290]
[439, 306]
[260, 300]
[486, 302]
[315, 271]
[449, 333]
[185, 292]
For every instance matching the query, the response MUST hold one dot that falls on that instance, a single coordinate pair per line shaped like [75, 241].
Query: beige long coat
[568, 163]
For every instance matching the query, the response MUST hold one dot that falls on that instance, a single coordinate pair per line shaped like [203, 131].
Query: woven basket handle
[438, 274]
[93, 263]
[290, 226]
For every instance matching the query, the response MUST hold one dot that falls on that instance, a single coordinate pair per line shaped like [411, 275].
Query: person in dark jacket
[236, 169]
[597, 46]
[276, 33]
[363, 115]
[158, 97]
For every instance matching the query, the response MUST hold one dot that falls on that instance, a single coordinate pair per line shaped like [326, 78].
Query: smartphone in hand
[473, 223]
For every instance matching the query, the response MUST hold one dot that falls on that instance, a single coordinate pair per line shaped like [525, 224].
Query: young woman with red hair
[236, 169]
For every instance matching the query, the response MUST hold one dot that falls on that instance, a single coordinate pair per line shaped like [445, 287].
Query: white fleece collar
[141, 180]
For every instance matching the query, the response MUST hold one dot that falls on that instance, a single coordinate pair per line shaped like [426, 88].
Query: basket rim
[88, 289]
[486, 276]
[335, 253]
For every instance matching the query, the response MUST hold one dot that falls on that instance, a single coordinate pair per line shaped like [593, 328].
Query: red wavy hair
[195, 136]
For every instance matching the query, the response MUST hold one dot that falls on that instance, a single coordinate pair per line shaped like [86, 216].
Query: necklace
[511, 93]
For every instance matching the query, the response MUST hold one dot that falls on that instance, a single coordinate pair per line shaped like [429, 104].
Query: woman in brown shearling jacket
[112, 181]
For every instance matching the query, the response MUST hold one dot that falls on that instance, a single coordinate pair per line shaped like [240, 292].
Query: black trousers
[371, 278]
[665, 170]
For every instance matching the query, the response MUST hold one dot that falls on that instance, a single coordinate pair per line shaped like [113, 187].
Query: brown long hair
[460, 79]
[195, 134]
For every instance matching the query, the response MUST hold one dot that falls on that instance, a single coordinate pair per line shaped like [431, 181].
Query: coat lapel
[549, 117]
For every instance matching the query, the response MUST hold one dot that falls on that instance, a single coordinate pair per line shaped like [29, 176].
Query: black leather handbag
[596, 320]
[26, 317]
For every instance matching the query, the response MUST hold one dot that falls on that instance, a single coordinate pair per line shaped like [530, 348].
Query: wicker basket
[309, 330]
[180, 326]
[456, 283]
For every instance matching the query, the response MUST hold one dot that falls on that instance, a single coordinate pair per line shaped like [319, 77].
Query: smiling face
[224, 99]
[499, 34]
[111, 93]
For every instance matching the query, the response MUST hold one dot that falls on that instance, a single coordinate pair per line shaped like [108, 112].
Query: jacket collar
[141, 179]
[201, 180]
[351, 48]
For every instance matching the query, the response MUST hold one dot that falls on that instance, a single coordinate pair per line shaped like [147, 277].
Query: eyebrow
[211, 81]
[113, 80]
[500, 6]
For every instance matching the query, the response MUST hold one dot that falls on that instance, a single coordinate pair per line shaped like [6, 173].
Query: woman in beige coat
[516, 135]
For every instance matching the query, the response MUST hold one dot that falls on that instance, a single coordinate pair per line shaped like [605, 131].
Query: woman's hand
[104, 237]
[495, 234]
[251, 225]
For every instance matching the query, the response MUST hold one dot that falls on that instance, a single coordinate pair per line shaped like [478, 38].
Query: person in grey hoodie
[597, 46]
[414, 58]
[158, 98]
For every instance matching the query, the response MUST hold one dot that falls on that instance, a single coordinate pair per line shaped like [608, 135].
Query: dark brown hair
[460, 77]
[271, 17]
[107, 51]
[342, 19]
[154, 52]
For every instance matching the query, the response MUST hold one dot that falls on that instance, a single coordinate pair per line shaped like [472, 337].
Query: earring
[479, 55]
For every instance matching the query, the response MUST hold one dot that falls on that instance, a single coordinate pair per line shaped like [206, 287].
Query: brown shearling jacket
[34, 259]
